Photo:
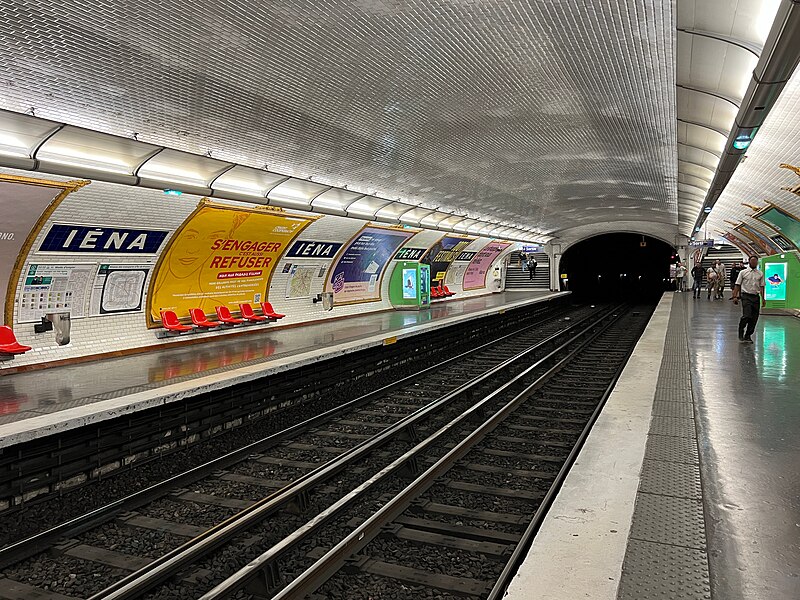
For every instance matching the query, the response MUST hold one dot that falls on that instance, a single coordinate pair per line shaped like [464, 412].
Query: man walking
[749, 286]
[532, 267]
[697, 280]
[720, 269]
[680, 274]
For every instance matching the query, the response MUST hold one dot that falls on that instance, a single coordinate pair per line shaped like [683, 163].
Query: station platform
[39, 403]
[688, 485]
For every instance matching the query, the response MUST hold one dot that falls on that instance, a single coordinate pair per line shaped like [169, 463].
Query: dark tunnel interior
[617, 266]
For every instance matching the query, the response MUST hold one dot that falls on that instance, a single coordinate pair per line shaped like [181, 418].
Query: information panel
[475, 276]
[118, 289]
[55, 288]
[221, 256]
[300, 279]
[357, 272]
[775, 281]
[410, 284]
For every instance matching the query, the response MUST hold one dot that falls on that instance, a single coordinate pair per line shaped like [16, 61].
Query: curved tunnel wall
[117, 206]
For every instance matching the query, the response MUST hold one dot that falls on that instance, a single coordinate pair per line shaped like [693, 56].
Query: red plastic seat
[268, 311]
[448, 292]
[9, 343]
[247, 313]
[170, 322]
[435, 294]
[199, 319]
[224, 315]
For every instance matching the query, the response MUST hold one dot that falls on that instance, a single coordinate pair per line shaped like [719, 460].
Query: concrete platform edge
[57, 422]
[580, 548]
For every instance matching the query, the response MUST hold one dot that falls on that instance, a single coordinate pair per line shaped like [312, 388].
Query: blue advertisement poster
[775, 280]
[410, 284]
[357, 273]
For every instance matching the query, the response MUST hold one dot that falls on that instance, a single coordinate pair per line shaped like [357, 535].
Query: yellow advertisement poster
[221, 256]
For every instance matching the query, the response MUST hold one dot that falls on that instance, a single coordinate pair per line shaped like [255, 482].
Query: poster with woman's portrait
[221, 256]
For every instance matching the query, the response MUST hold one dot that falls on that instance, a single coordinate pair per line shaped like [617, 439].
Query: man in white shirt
[749, 286]
[680, 274]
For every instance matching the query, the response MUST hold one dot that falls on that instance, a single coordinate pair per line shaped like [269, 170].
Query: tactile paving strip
[659, 572]
[666, 556]
[678, 479]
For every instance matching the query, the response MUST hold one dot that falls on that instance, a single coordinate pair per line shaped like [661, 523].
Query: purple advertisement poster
[475, 276]
[357, 273]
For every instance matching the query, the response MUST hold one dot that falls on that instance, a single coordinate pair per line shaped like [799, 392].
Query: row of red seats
[440, 292]
[9, 344]
[170, 321]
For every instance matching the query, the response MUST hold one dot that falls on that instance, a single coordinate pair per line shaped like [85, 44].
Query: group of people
[528, 263]
[747, 285]
[715, 277]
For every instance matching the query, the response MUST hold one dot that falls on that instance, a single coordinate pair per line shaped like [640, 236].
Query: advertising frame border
[206, 202]
[771, 205]
[67, 187]
[510, 244]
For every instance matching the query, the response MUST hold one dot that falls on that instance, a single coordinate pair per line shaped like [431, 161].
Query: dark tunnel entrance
[625, 266]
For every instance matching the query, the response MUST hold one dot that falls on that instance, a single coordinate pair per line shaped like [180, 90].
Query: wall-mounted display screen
[409, 284]
[775, 281]
[783, 222]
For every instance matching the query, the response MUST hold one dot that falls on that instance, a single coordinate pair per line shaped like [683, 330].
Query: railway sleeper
[447, 540]
[460, 586]
[436, 508]
[488, 490]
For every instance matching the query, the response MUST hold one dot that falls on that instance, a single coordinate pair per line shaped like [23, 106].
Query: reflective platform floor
[74, 390]
[689, 484]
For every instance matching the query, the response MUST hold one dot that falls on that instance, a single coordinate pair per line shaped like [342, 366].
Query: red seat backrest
[198, 316]
[7, 335]
[223, 312]
[168, 317]
[267, 307]
[247, 310]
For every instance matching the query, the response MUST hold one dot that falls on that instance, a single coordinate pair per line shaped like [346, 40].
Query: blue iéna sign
[311, 249]
[108, 240]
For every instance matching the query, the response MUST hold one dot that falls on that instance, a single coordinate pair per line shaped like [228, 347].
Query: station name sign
[106, 240]
[467, 256]
[410, 253]
[311, 249]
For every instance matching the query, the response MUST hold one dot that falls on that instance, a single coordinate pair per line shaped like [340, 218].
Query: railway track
[273, 485]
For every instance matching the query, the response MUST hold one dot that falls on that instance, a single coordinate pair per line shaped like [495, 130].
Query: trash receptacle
[327, 301]
[61, 324]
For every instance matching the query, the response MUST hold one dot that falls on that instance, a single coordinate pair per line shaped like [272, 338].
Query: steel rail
[17, 551]
[332, 561]
[138, 582]
[522, 547]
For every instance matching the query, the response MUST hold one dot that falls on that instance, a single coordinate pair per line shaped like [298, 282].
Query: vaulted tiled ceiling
[547, 114]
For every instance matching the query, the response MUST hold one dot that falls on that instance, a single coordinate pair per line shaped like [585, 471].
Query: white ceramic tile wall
[105, 204]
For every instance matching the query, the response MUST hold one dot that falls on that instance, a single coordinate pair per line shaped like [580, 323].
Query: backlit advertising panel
[221, 256]
[409, 284]
[775, 281]
[358, 270]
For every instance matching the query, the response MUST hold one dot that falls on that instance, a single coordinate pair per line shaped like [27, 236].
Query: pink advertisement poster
[475, 275]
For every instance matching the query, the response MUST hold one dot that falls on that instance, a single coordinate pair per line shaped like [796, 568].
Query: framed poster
[48, 288]
[118, 288]
[475, 275]
[357, 272]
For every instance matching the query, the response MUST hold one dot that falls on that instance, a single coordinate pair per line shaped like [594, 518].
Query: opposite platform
[687, 487]
[40, 403]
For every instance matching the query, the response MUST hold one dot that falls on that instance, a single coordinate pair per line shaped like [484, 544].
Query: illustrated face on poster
[410, 284]
[222, 256]
[775, 279]
[475, 275]
[444, 252]
[356, 275]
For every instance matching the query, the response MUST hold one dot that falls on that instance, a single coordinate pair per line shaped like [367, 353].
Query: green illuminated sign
[775, 275]
[786, 224]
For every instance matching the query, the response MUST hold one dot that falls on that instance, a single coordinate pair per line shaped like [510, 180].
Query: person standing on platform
[720, 269]
[711, 278]
[735, 270]
[523, 261]
[531, 266]
[680, 275]
[749, 286]
[697, 280]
